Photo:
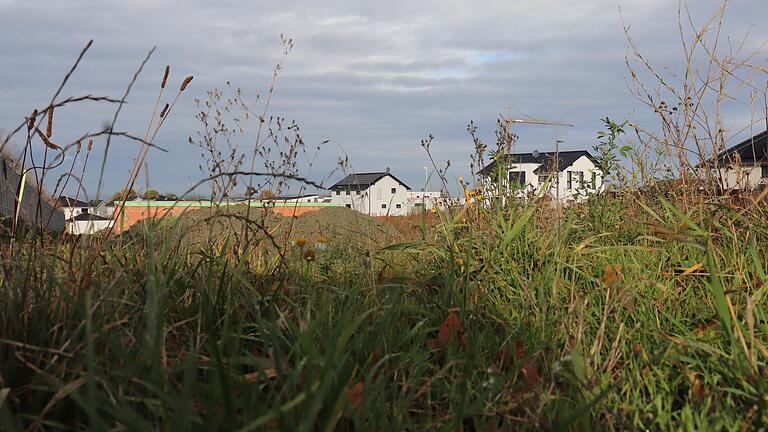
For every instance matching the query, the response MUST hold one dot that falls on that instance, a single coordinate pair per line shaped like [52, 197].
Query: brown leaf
[450, 329]
[531, 376]
[355, 394]
[612, 273]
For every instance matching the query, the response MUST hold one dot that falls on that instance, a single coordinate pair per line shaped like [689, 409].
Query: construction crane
[511, 120]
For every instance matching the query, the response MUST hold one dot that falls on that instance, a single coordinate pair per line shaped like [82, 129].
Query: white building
[424, 200]
[71, 207]
[743, 166]
[375, 194]
[569, 175]
[86, 223]
[307, 198]
[100, 208]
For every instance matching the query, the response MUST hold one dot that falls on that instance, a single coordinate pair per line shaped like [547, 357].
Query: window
[594, 180]
[398, 206]
[347, 191]
[348, 205]
[570, 180]
[517, 178]
[581, 179]
[338, 192]
[417, 204]
[383, 206]
[357, 192]
[393, 190]
[764, 171]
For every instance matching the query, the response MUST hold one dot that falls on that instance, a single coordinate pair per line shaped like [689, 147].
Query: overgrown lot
[625, 313]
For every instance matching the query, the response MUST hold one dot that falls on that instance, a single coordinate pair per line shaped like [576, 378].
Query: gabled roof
[87, 217]
[547, 160]
[65, 201]
[364, 180]
[752, 151]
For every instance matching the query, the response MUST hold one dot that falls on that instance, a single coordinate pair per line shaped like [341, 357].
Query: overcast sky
[373, 78]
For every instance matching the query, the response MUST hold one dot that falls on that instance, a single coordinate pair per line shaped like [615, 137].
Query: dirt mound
[332, 225]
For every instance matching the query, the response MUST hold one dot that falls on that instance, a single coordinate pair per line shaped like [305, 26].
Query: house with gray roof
[372, 193]
[569, 175]
[742, 166]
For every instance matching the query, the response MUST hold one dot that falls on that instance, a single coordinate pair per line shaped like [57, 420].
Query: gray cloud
[372, 77]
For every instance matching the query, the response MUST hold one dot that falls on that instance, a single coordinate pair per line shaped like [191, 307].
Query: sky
[365, 80]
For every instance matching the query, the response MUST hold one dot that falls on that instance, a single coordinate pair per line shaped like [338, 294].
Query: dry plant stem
[287, 45]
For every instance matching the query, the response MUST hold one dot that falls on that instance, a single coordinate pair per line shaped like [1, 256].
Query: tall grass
[617, 327]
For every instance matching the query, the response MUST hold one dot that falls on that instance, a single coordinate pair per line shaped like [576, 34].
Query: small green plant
[607, 149]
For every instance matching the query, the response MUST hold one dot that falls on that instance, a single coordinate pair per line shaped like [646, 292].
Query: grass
[641, 317]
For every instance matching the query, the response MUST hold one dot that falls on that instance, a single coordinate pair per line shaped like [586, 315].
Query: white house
[569, 175]
[72, 207]
[87, 223]
[100, 208]
[424, 200]
[743, 166]
[375, 193]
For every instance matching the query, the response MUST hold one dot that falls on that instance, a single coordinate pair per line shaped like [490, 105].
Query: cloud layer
[374, 78]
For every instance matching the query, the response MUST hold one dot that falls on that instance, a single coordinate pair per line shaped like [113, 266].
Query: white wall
[371, 200]
[419, 201]
[88, 227]
[744, 177]
[577, 192]
[70, 212]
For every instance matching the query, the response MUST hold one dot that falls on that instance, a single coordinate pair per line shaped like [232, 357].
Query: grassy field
[629, 312]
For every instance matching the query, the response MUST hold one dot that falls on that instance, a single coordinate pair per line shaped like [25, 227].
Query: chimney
[387, 170]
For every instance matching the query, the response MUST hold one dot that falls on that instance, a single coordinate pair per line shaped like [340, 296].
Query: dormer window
[393, 190]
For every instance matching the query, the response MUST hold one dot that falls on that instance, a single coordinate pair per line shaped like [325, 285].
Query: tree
[150, 194]
[131, 194]
[171, 196]
[265, 195]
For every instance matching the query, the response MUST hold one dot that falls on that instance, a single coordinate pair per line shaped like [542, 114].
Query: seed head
[90, 144]
[165, 76]
[301, 242]
[49, 130]
[31, 121]
[164, 111]
[186, 82]
[78, 146]
[310, 255]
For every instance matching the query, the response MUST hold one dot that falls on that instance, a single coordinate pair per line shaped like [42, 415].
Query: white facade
[88, 226]
[420, 201]
[102, 209]
[70, 212]
[744, 177]
[573, 184]
[385, 197]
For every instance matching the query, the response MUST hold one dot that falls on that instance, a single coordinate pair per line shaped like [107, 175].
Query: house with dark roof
[569, 175]
[743, 166]
[87, 223]
[71, 207]
[372, 193]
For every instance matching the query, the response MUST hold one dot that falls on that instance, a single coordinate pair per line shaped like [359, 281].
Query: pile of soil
[198, 229]
[335, 224]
